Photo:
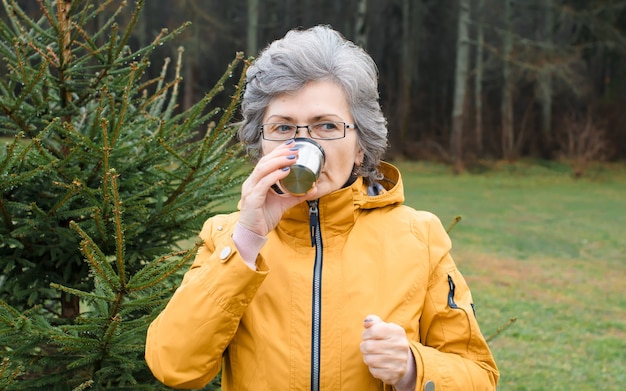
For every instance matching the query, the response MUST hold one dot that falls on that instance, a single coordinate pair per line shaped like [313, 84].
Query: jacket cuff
[429, 366]
[248, 244]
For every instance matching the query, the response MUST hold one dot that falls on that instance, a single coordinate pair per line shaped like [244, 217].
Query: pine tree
[102, 177]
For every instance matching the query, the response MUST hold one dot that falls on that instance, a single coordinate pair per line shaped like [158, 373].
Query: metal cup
[307, 169]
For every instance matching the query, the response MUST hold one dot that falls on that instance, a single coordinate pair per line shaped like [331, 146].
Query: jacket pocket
[469, 324]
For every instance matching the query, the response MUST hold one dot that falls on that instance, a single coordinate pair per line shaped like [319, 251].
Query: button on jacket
[297, 320]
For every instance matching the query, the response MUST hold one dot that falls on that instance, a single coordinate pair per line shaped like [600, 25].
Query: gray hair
[319, 53]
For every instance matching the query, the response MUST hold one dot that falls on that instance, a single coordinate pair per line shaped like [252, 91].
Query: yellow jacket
[266, 329]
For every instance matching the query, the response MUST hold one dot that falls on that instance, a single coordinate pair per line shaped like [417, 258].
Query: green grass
[539, 246]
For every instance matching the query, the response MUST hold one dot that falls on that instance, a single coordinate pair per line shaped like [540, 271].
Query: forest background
[461, 82]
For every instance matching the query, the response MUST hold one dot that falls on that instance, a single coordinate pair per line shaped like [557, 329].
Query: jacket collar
[338, 210]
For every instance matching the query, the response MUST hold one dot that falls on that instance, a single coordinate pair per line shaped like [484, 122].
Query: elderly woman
[342, 288]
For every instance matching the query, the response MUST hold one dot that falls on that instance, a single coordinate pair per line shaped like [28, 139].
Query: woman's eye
[283, 128]
[326, 126]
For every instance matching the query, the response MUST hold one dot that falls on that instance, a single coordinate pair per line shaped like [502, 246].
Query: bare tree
[545, 74]
[478, 78]
[460, 84]
[360, 25]
[506, 107]
[253, 28]
[582, 141]
[411, 16]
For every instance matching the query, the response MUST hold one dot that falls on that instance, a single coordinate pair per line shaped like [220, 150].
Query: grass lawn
[548, 250]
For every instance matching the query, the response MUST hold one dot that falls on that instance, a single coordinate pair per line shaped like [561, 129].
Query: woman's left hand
[386, 352]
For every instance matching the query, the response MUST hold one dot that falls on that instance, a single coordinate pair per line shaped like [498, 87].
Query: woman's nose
[306, 133]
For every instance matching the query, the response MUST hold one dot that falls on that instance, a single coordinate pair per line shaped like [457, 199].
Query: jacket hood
[392, 190]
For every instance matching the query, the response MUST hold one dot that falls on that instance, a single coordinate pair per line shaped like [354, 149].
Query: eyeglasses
[327, 130]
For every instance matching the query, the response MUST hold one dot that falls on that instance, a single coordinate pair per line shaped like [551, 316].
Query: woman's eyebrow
[324, 116]
[276, 117]
[316, 118]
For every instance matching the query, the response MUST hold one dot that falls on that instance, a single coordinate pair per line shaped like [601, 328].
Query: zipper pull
[313, 220]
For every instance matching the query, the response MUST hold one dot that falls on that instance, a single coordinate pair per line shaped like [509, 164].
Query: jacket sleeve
[185, 343]
[452, 351]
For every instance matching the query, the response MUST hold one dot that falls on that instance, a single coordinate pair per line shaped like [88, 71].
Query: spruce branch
[99, 223]
[72, 189]
[47, 153]
[106, 153]
[126, 103]
[14, 111]
[96, 121]
[161, 269]
[228, 114]
[134, 17]
[8, 374]
[16, 15]
[119, 230]
[90, 46]
[175, 154]
[70, 342]
[80, 293]
[8, 158]
[109, 333]
[156, 101]
[27, 91]
[64, 25]
[230, 110]
[96, 258]
[84, 386]
[174, 98]
[8, 313]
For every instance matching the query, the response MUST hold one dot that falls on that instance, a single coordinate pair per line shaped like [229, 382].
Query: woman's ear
[358, 159]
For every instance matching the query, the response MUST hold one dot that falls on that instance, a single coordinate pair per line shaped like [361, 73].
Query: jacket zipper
[451, 302]
[316, 318]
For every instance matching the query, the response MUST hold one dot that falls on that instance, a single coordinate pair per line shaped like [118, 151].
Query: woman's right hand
[260, 207]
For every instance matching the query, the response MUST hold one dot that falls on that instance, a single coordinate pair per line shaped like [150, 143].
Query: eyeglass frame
[308, 128]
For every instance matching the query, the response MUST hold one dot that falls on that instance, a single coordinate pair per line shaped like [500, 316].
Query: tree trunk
[507, 86]
[190, 67]
[360, 25]
[253, 28]
[545, 78]
[478, 81]
[70, 306]
[460, 83]
[411, 16]
[189, 83]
